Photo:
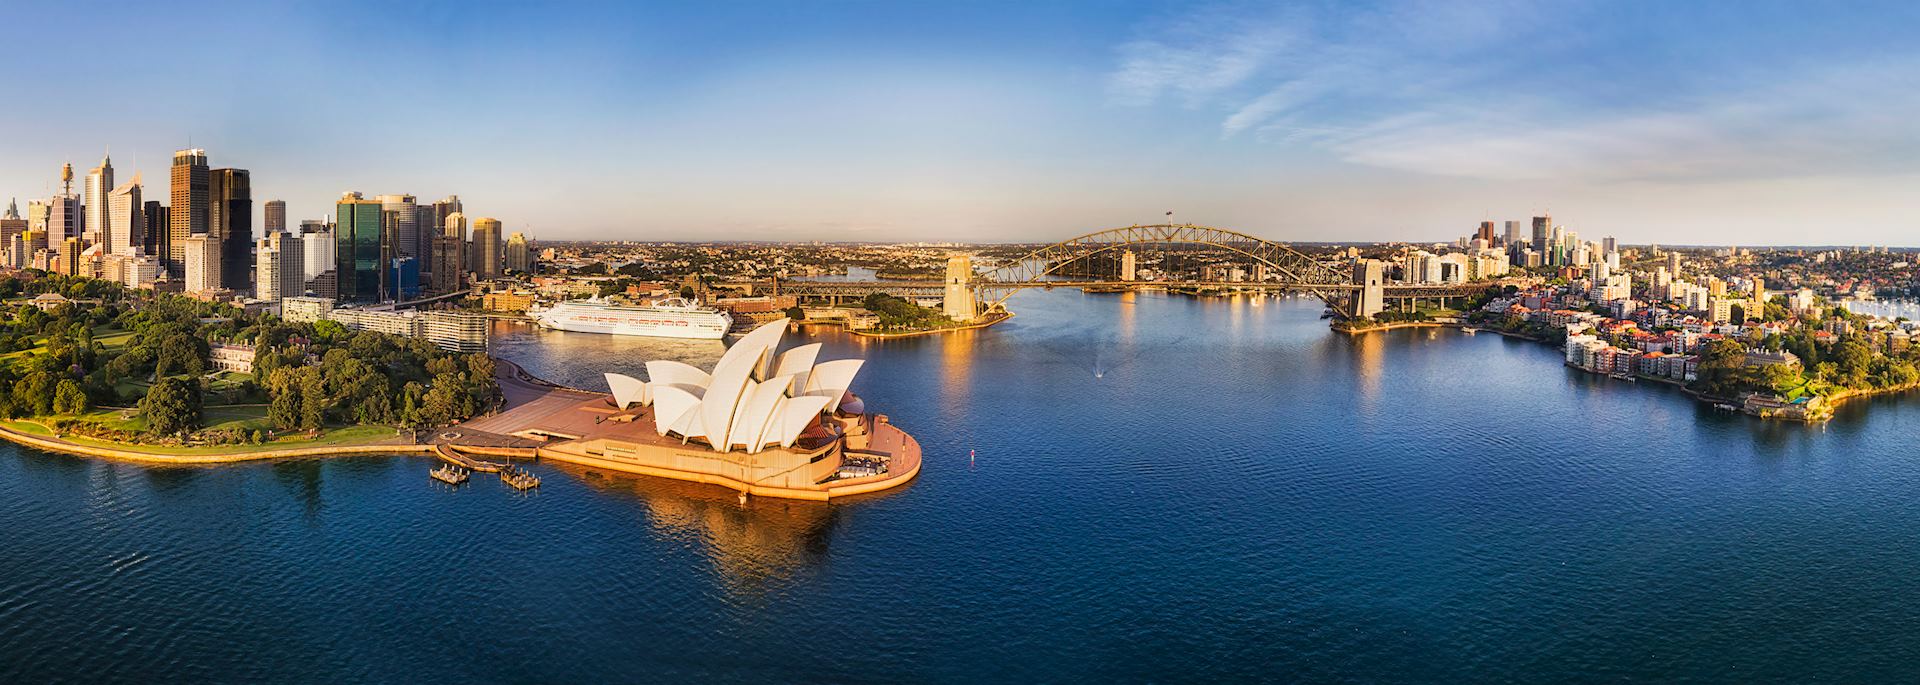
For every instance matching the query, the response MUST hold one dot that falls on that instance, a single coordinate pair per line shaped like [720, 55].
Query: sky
[1746, 122]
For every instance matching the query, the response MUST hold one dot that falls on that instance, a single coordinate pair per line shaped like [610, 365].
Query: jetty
[449, 474]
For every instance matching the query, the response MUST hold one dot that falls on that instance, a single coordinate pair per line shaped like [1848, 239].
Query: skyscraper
[274, 214]
[187, 213]
[99, 185]
[63, 212]
[11, 224]
[519, 253]
[356, 239]
[1513, 233]
[155, 238]
[1485, 232]
[406, 223]
[125, 218]
[450, 253]
[427, 229]
[316, 248]
[200, 263]
[230, 221]
[1542, 226]
[486, 247]
[280, 267]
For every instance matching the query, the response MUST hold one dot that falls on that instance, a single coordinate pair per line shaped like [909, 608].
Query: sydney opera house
[763, 421]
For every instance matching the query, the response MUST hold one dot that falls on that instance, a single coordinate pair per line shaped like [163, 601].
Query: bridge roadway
[938, 288]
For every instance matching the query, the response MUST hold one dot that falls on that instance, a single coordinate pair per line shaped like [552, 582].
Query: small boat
[1725, 407]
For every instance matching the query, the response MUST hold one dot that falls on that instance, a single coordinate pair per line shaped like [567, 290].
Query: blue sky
[1728, 122]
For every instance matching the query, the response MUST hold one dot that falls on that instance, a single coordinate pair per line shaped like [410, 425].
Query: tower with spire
[99, 185]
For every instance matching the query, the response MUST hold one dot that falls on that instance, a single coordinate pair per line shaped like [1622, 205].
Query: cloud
[1511, 90]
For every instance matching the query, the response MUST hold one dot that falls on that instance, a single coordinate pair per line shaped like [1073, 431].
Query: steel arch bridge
[1297, 271]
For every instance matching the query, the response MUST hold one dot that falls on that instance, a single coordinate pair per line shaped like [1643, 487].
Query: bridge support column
[1370, 299]
[959, 304]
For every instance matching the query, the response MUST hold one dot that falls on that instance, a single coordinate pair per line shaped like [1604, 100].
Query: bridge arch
[1327, 283]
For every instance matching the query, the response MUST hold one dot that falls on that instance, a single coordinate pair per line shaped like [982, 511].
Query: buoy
[743, 498]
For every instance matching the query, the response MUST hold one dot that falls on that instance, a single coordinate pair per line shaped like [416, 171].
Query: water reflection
[753, 546]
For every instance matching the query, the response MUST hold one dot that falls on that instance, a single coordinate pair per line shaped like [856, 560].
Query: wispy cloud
[1509, 90]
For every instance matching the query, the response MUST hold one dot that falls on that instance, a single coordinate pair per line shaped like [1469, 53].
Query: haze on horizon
[1686, 123]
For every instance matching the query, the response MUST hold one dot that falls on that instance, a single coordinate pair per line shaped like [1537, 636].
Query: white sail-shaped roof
[791, 418]
[755, 396]
[665, 371]
[831, 380]
[798, 363]
[671, 403]
[755, 411]
[628, 390]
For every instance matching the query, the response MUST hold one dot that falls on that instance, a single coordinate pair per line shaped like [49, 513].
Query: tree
[283, 405]
[69, 399]
[313, 399]
[172, 406]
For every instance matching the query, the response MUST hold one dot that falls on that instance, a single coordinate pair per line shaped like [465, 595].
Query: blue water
[1166, 490]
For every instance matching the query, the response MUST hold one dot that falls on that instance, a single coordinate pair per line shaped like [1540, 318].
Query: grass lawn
[348, 435]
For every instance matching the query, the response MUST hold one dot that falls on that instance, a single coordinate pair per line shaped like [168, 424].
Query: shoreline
[1832, 402]
[130, 453]
[933, 331]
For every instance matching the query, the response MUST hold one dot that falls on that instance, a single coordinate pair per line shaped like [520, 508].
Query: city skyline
[1390, 121]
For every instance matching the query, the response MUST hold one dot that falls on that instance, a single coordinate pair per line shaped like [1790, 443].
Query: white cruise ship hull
[693, 325]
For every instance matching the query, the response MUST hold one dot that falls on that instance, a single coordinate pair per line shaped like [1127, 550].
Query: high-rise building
[486, 247]
[125, 218]
[1542, 229]
[63, 212]
[201, 263]
[70, 250]
[1513, 233]
[316, 248]
[406, 223]
[356, 240]
[274, 217]
[99, 185]
[426, 229]
[519, 253]
[1129, 265]
[156, 237]
[230, 221]
[187, 213]
[1485, 232]
[450, 253]
[280, 267]
[11, 224]
[37, 213]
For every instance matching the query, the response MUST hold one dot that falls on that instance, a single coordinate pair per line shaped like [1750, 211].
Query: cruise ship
[673, 318]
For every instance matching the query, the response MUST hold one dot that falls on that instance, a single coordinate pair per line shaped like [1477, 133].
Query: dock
[449, 474]
[454, 457]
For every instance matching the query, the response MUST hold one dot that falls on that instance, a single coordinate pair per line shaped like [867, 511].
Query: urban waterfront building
[230, 221]
[519, 254]
[450, 253]
[188, 211]
[99, 185]
[357, 250]
[488, 259]
[125, 218]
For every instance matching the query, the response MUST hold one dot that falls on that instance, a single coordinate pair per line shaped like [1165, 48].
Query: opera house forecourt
[764, 422]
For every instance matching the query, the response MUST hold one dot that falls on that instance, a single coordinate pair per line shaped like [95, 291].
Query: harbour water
[1165, 489]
